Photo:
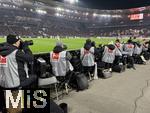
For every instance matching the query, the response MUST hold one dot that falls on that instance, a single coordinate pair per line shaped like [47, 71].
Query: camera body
[25, 43]
[29, 42]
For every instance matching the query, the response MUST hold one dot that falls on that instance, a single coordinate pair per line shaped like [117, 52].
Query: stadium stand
[25, 19]
[33, 19]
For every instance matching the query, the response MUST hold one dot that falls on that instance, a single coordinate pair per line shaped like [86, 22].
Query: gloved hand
[25, 44]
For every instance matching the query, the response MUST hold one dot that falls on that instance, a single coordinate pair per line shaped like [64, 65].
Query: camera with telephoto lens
[25, 43]
[29, 42]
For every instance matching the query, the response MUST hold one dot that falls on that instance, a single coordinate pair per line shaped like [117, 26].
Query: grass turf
[43, 45]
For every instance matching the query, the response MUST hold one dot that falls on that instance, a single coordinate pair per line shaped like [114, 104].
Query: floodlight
[116, 16]
[67, 10]
[59, 9]
[41, 11]
[76, 12]
[94, 14]
[72, 1]
[57, 14]
[105, 15]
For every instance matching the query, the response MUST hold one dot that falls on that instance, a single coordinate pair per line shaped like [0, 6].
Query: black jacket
[54, 108]
[22, 56]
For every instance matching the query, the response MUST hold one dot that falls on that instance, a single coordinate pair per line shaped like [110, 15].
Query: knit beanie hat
[11, 39]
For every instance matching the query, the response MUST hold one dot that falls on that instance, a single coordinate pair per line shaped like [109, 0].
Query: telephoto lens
[29, 42]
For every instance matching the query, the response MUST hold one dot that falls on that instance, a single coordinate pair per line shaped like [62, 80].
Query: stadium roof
[110, 4]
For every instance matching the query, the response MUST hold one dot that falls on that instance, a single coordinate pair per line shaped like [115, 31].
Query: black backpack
[146, 55]
[118, 68]
[82, 81]
[104, 73]
[79, 81]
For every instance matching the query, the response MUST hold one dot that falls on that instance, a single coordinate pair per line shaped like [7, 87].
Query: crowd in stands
[27, 23]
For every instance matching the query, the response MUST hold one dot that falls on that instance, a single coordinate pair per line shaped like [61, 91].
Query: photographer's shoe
[134, 68]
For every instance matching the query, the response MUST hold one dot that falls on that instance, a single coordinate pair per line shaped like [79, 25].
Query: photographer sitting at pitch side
[87, 57]
[119, 51]
[108, 57]
[13, 63]
[129, 48]
[60, 62]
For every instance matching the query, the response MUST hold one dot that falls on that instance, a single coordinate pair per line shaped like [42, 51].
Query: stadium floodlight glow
[94, 14]
[31, 10]
[87, 14]
[59, 9]
[41, 11]
[76, 12]
[72, 1]
[116, 16]
[107, 16]
[57, 14]
[67, 10]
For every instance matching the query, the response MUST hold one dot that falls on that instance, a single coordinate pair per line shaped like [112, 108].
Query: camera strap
[118, 48]
[104, 52]
[82, 57]
[68, 64]
[26, 70]
[85, 54]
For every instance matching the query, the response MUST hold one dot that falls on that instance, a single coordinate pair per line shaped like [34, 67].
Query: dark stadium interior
[112, 4]
[126, 25]
[34, 18]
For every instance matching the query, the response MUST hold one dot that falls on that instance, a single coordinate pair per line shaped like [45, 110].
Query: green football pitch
[43, 45]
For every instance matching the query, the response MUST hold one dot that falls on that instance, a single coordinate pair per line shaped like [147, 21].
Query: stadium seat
[49, 81]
